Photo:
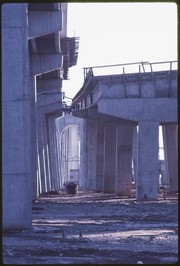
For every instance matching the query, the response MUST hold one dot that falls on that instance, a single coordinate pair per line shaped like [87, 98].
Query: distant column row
[111, 149]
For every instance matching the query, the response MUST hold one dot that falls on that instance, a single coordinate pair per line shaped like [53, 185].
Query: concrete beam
[49, 85]
[154, 109]
[42, 63]
[93, 114]
[51, 108]
[49, 98]
[44, 22]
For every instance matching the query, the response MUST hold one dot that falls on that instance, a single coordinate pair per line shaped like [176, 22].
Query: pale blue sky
[114, 33]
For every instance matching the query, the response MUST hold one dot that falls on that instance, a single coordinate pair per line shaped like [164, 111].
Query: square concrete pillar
[135, 153]
[41, 166]
[170, 140]
[90, 179]
[43, 150]
[109, 159]
[82, 168]
[148, 146]
[16, 120]
[35, 189]
[53, 153]
[99, 156]
[123, 183]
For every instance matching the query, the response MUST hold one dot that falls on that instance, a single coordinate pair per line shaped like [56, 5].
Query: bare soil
[96, 228]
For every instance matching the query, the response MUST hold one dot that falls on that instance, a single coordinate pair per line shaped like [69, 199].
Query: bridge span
[123, 113]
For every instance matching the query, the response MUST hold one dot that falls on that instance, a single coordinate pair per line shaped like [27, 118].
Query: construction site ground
[96, 228]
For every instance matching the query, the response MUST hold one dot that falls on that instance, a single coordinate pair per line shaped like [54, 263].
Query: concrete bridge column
[41, 152]
[41, 184]
[47, 152]
[109, 170]
[99, 156]
[34, 143]
[147, 180]
[123, 183]
[82, 167]
[135, 153]
[17, 172]
[170, 139]
[53, 153]
[90, 179]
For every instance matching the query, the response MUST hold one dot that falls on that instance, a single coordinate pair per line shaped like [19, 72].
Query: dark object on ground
[71, 188]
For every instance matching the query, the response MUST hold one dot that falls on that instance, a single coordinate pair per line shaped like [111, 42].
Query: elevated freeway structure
[123, 112]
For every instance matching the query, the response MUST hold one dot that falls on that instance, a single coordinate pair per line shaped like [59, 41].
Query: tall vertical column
[91, 162]
[99, 156]
[41, 184]
[147, 181]
[34, 133]
[170, 139]
[123, 183]
[82, 167]
[16, 119]
[53, 152]
[135, 153]
[109, 159]
[46, 150]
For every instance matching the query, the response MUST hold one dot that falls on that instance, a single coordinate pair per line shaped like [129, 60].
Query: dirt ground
[96, 228]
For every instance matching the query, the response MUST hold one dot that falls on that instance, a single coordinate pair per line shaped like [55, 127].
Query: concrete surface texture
[96, 228]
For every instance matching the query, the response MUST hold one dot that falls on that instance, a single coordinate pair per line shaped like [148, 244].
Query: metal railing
[143, 66]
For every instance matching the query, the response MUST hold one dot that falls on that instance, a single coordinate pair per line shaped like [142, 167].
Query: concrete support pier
[123, 184]
[109, 158]
[170, 139]
[147, 181]
[90, 181]
[16, 120]
[99, 156]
